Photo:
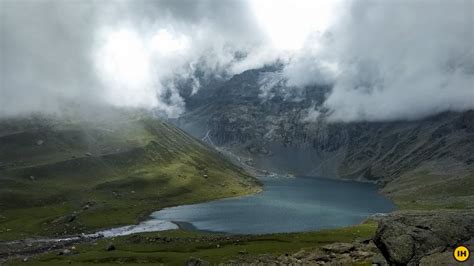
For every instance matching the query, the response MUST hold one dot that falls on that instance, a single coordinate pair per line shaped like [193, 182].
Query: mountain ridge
[278, 134]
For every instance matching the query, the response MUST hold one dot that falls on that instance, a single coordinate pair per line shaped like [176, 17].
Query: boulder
[110, 247]
[405, 238]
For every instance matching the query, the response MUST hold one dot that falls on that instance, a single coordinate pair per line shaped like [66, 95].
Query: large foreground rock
[406, 238]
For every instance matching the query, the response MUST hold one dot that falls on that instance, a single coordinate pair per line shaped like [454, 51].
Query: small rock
[365, 253]
[71, 218]
[317, 255]
[110, 247]
[205, 176]
[64, 252]
[39, 142]
[88, 154]
[32, 177]
[196, 262]
[339, 247]
[300, 254]
[243, 252]
[362, 254]
[25, 259]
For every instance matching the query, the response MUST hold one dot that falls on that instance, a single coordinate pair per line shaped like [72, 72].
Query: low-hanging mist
[393, 60]
[57, 55]
[384, 60]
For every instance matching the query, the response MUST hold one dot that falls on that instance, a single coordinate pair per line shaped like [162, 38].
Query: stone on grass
[110, 247]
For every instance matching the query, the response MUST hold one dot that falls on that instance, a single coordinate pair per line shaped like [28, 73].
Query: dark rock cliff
[271, 127]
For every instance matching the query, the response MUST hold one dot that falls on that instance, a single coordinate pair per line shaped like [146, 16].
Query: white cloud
[395, 60]
[387, 60]
[56, 54]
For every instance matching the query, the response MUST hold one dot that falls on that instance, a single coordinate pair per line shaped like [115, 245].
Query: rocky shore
[402, 238]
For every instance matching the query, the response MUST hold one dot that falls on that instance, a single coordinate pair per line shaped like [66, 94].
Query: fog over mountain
[395, 60]
[386, 60]
[123, 53]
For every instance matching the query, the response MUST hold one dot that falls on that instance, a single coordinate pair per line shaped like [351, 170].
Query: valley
[120, 171]
[239, 132]
[432, 155]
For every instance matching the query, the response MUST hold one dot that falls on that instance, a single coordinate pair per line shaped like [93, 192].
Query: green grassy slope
[59, 178]
[424, 190]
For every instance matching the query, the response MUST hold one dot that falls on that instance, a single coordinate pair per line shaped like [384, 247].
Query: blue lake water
[285, 205]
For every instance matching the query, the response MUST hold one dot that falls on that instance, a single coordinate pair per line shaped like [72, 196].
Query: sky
[386, 60]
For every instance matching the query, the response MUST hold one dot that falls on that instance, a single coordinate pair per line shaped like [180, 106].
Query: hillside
[272, 127]
[84, 176]
[62, 177]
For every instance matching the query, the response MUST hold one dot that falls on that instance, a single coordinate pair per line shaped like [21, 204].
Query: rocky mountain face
[277, 129]
[426, 166]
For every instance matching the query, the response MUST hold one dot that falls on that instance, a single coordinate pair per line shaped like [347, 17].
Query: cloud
[57, 54]
[43, 65]
[394, 60]
[385, 60]
[312, 115]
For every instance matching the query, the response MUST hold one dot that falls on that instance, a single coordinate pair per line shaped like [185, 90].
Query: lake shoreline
[183, 225]
[34, 246]
[316, 198]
